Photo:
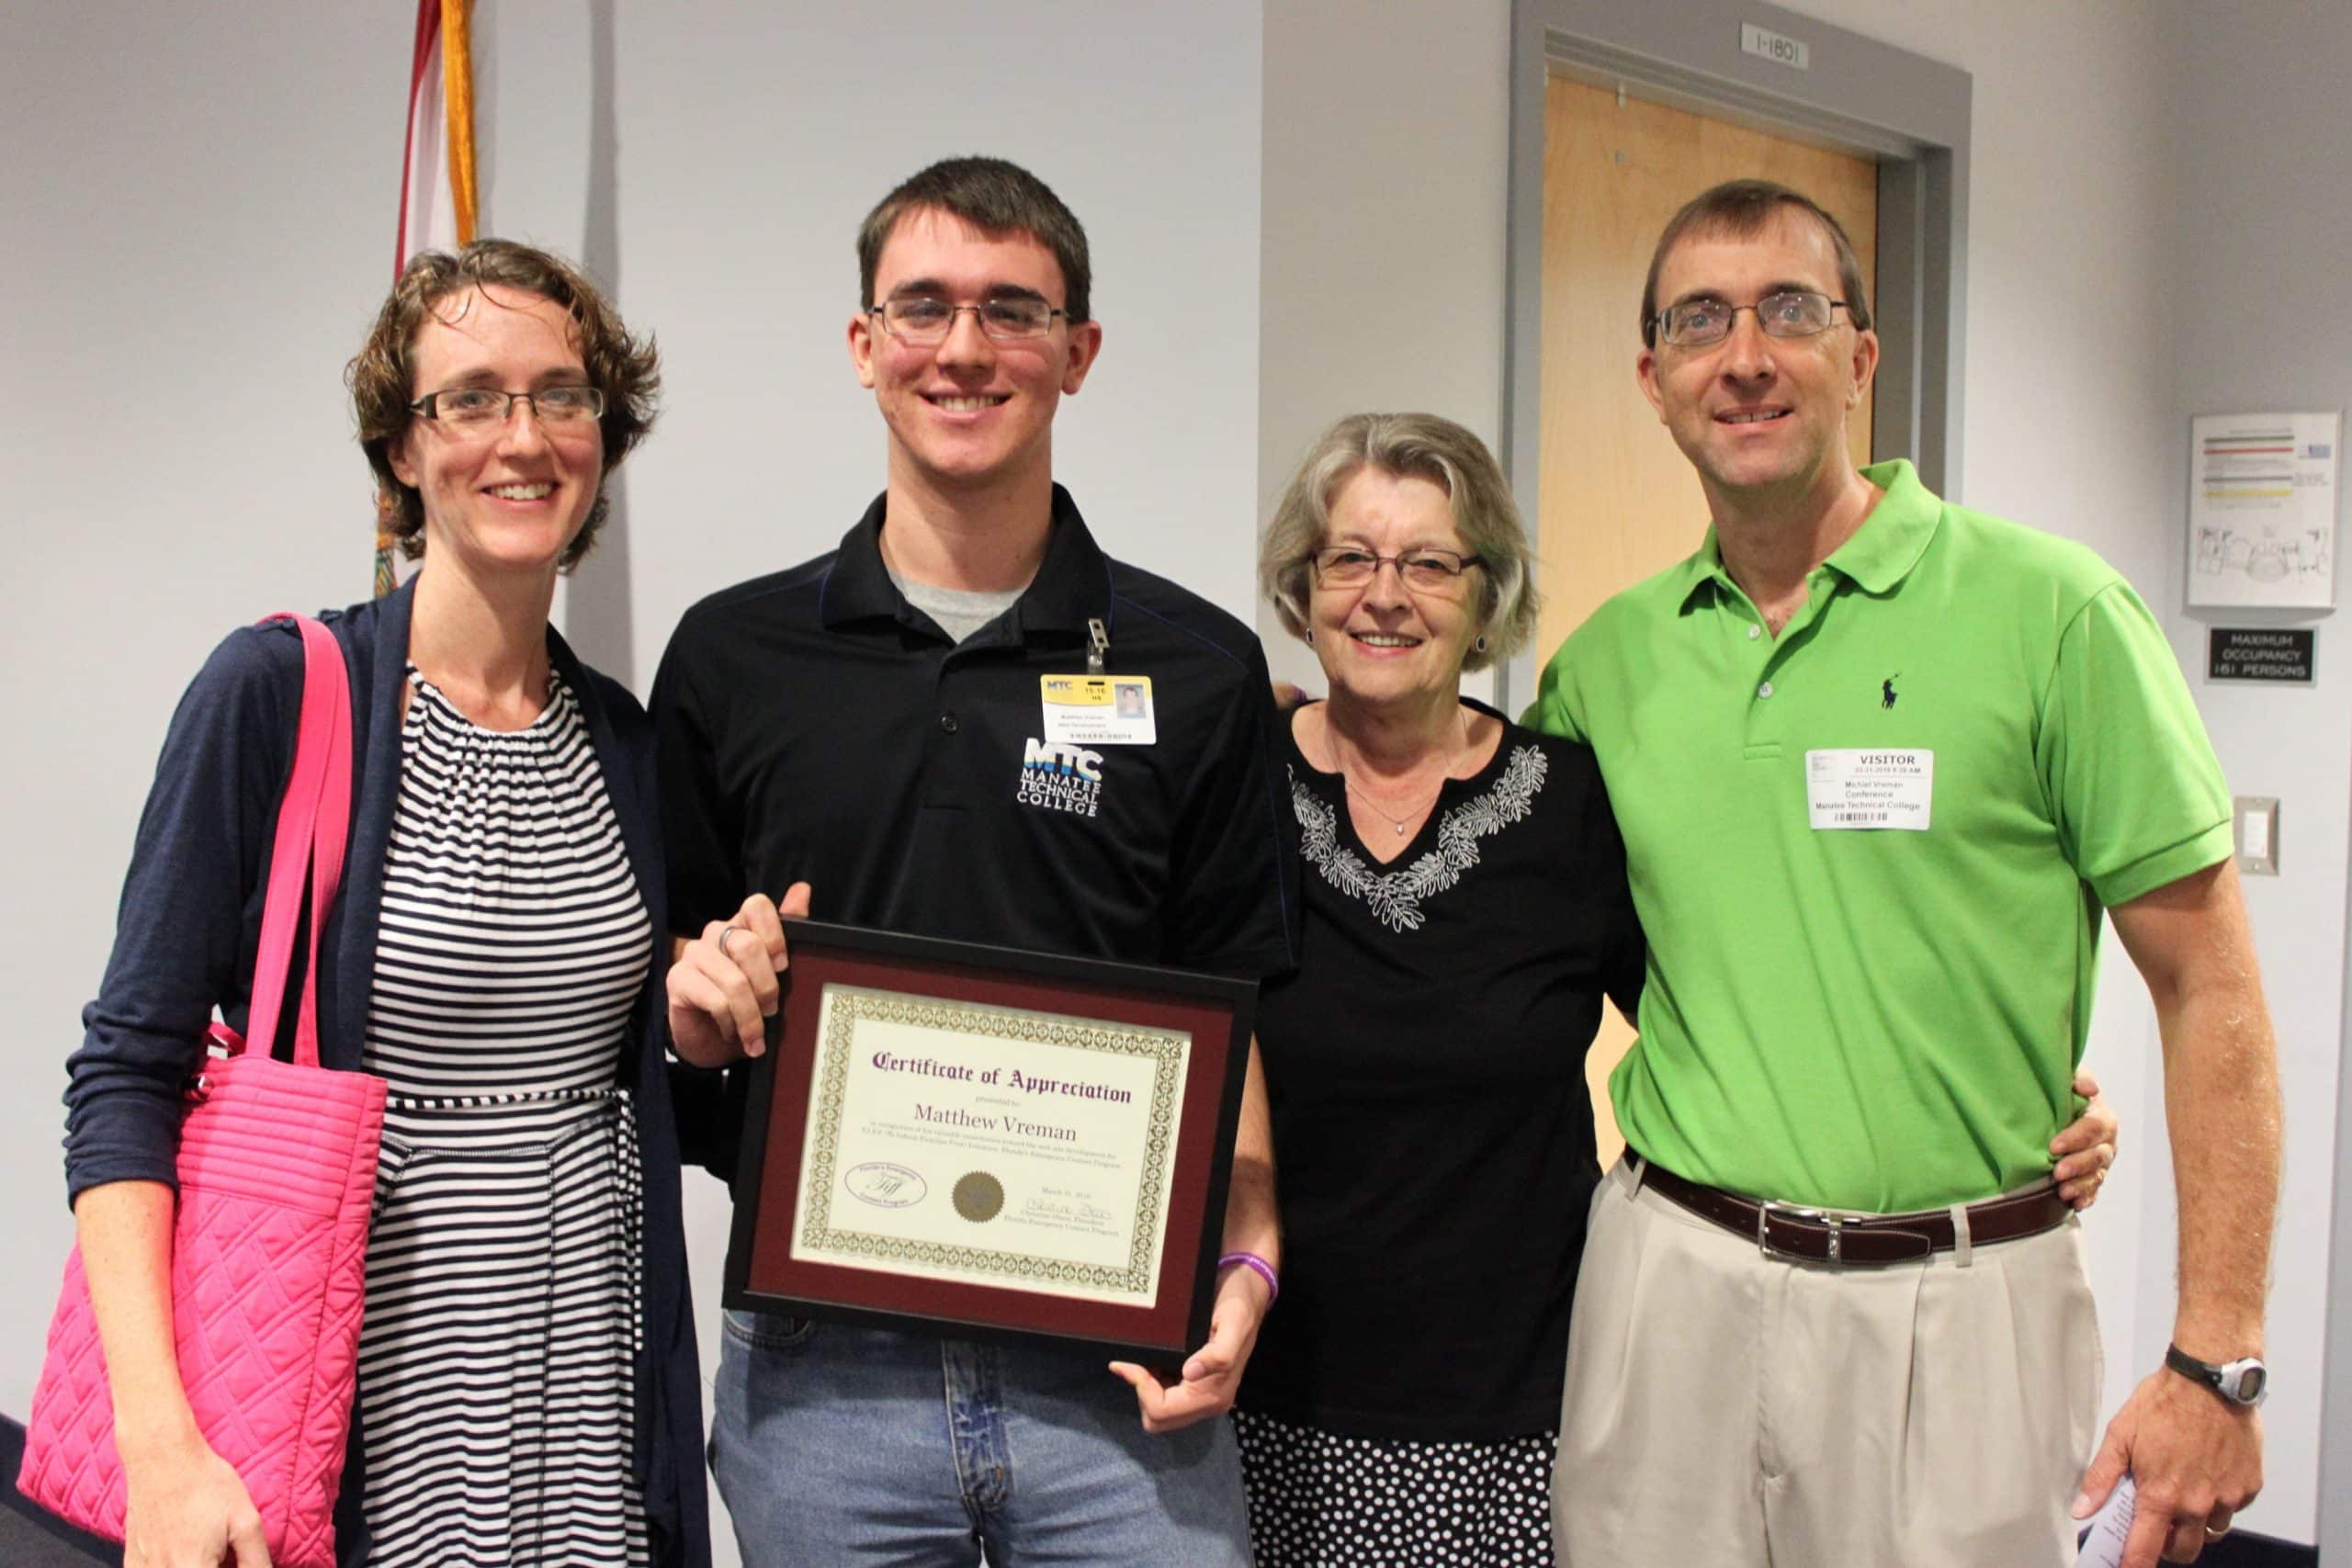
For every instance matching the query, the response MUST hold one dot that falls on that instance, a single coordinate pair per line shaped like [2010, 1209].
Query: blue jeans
[841, 1445]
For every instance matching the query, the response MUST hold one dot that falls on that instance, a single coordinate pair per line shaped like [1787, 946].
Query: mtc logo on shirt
[1059, 777]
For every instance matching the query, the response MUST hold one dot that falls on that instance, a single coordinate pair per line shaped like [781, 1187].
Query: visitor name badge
[1099, 710]
[1869, 788]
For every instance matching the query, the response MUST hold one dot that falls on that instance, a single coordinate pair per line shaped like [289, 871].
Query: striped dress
[496, 1360]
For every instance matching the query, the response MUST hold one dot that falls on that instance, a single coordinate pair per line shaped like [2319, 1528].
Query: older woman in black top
[1466, 910]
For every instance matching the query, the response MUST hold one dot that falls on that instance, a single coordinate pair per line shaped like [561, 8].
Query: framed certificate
[988, 1142]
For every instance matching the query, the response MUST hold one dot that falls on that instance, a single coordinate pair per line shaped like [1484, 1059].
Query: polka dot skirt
[1321, 1500]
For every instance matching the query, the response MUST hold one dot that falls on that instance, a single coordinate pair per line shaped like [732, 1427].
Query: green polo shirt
[1860, 1014]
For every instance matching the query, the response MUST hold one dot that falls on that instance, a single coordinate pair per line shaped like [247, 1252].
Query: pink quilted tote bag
[276, 1172]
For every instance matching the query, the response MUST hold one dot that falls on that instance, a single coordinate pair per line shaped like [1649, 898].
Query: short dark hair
[625, 368]
[997, 199]
[1741, 208]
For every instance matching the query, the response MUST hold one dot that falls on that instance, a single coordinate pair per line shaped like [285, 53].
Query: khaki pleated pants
[1735, 1410]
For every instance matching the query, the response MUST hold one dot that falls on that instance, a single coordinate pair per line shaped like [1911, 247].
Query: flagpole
[438, 201]
[457, 93]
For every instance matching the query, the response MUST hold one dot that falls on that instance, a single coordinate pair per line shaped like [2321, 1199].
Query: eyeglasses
[1795, 312]
[925, 322]
[1431, 572]
[474, 410]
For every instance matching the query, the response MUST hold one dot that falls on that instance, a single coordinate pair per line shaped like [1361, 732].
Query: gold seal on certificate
[979, 1196]
[990, 1141]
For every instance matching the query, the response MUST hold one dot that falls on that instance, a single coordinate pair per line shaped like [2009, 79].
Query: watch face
[2247, 1387]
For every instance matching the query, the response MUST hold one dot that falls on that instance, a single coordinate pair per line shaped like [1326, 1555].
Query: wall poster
[2262, 509]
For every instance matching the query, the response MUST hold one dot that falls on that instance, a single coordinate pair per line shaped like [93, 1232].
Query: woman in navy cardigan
[528, 1389]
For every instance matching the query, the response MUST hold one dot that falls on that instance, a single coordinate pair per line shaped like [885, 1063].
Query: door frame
[1856, 95]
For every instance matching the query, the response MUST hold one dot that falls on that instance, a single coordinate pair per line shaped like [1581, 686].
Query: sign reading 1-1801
[1778, 48]
[2261, 653]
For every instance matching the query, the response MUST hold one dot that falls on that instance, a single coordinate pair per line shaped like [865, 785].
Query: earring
[1310, 636]
[1481, 644]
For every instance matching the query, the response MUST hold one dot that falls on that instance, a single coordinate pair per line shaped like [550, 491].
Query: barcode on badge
[1861, 817]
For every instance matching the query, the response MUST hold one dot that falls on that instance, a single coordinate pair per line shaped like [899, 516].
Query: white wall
[755, 141]
[200, 209]
[1385, 132]
[197, 231]
[750, 144]
[2259, 108]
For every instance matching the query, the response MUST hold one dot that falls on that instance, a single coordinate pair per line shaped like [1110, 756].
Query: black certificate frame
[1218, 1012]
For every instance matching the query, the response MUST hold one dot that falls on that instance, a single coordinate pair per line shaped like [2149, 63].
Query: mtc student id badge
[1099, 710]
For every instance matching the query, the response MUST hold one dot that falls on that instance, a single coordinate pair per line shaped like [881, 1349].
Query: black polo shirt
[816, 726]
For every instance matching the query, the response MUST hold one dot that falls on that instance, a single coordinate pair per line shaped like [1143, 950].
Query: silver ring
[723, 935]
[2213, 1534]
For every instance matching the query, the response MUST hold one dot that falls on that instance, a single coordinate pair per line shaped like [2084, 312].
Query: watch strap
[2217, 1377]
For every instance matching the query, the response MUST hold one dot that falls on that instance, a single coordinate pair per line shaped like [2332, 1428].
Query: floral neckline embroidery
[1395, 896]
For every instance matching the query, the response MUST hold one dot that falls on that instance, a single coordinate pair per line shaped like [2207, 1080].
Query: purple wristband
[1264, 1270]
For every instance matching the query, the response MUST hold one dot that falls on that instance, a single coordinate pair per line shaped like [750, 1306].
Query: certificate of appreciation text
[989, 1144]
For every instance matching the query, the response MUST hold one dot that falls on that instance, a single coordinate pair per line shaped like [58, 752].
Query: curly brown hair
[625, 368]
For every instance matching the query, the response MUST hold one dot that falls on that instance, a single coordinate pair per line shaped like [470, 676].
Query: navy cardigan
[190, 921]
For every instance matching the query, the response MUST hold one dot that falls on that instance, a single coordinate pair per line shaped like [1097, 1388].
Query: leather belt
[1816, 1235]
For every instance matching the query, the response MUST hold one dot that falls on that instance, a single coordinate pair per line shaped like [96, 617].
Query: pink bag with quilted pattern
[276, 1172]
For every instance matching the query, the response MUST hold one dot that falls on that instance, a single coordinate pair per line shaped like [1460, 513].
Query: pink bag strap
[314, 829]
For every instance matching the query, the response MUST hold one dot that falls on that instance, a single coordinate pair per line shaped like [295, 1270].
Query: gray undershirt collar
[959, 612]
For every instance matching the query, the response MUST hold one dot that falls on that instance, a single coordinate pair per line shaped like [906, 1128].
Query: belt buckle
[1833, 1223]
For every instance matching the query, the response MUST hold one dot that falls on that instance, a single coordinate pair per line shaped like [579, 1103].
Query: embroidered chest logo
[1060, 778]
[1886, 690]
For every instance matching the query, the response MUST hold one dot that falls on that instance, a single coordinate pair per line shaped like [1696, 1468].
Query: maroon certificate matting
[988, 1142]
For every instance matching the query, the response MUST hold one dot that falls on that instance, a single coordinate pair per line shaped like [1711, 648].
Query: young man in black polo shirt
[867, 730]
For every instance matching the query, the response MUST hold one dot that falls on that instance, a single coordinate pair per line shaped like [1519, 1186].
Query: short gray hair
[1407, 445]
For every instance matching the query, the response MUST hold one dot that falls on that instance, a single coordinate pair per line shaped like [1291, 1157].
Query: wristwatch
[2245, 1382]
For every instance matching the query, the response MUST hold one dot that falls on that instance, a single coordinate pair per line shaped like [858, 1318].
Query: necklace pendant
[1400, 829]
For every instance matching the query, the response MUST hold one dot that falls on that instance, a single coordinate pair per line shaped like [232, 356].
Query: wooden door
[1617, 502]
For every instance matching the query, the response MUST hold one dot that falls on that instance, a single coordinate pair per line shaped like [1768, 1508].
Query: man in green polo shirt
[1882, 766]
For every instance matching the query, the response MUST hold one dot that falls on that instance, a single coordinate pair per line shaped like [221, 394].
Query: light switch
[2256, 824]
